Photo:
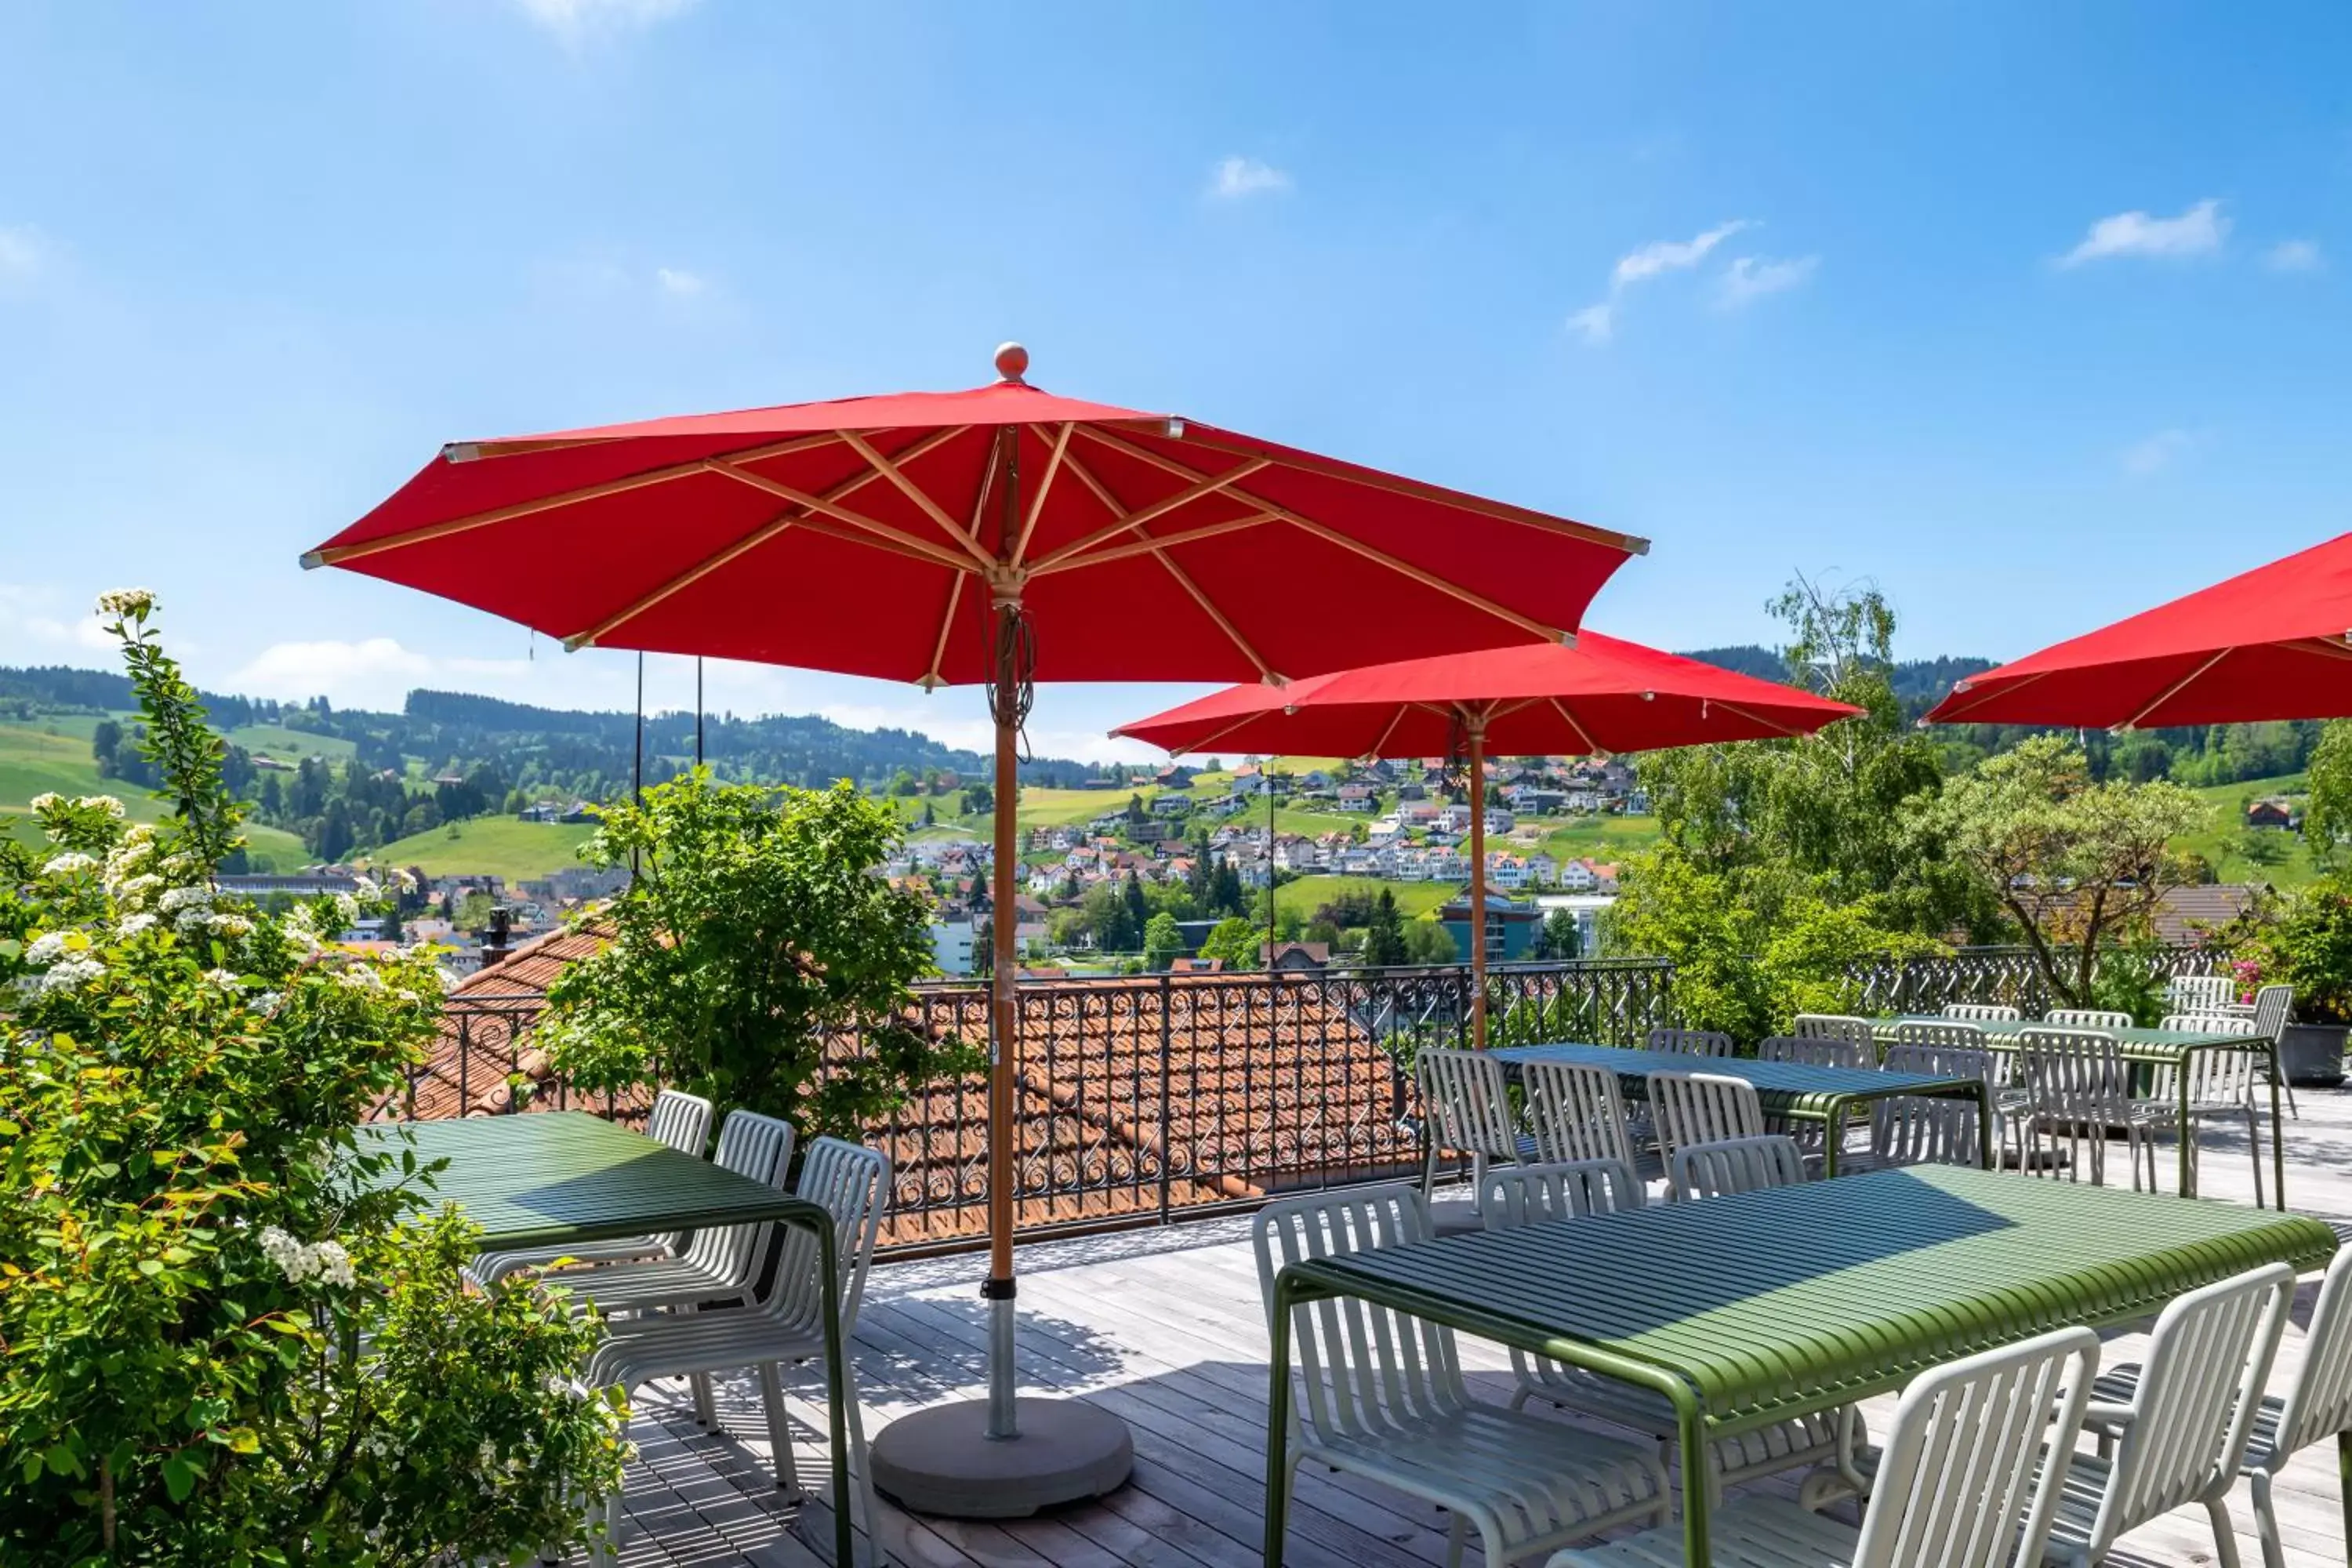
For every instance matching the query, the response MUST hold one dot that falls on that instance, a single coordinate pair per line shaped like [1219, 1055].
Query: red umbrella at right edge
[1532, 700]
[2272, 643]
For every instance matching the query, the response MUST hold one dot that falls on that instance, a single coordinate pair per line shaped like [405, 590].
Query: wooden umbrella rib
[1755, 718]
[1395, 718]
[1501, 511]
[1569, 719]
[1965, 689]
[1044, 485]
[1427, 579]
[888, 468]
[1204, 742]
[2169, 692]
[1265, 670]
[335, 555]
[2324, 648]
[859, 520]
[932, 678]
[1139, 516]
[1148, 545]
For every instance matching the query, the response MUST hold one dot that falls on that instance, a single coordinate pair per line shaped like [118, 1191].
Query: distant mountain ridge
[1919, 683]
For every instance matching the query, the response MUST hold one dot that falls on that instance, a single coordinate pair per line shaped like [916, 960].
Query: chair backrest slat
[2318, 1402]
[852, 1183]
[1702, 1108]
[1729, 1165]
[1924, 1129]
[1570, 1189]
[2087, 1019]
[1961, 1482]
[2215, 1077]
[1692, 1042]
[1468, 1101]
[1575, 1111]
[2075, 1074]
[1862, 1032]
[2198, 1396]
[2199, 993]
[1981, 1012]
[1361, 1368]
[1817, 1051]
[2272, 1004]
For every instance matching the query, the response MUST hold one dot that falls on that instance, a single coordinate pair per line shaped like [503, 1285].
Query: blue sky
[2033, 315]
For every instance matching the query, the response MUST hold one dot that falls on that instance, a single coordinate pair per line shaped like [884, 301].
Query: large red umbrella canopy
[2272, 643]
[1001, 534]
[865, 536]
[1534, 699]
[1603, 695]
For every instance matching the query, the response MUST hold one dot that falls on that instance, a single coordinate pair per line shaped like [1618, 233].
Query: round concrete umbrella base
[941, 1461]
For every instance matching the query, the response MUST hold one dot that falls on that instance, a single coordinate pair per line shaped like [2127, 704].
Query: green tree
[2073, 863]
[1426, 942]
[1238, 941]
[1559, 936]
[2328, 815]
[1162, 943]
[1136, 907]
[235, 1334]
[1384, 932]
[755, 935]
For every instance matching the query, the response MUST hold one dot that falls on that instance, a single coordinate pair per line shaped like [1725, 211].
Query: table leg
[836, 1398]
[1833, 1134]
[2344, 1488]
[1984, 1129]
[1696, 1551]
[1278, 1428]
[2278, 1148]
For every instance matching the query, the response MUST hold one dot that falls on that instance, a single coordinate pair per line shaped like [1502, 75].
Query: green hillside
[290, 745]
[2277, 858]
[33, 762]
[489, 845]
[1413, 898]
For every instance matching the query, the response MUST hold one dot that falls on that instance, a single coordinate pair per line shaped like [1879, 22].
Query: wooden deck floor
[1164, 1328]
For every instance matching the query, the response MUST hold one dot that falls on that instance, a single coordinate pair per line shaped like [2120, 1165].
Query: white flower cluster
[366, 888]
[126, 603]
[73, 863]
[46, 800]
[324, 1260]
[66, 960]
[102, 803]
[130, 926]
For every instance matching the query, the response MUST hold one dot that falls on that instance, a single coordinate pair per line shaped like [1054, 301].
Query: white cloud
[1236, 178]
[1596, 322]
[1671, 255]
[2199, 231]
[679, 282]
[575, 21]
[24, 256]
[2295, 255]
[2158, 452]
[374, 672]
[1750, 277]
[37, 625]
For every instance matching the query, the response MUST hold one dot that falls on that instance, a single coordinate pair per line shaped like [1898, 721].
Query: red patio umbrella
[2272, 643]
[1602, 695]
[1004, 535]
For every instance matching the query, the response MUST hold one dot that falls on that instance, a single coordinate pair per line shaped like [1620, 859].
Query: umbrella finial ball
[1012, 361]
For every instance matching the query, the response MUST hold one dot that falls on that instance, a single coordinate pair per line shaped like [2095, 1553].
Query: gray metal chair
[1693, 1042]
[1736, 1165]
[2222, 1086]
[1982, 1011]
[678, 1120]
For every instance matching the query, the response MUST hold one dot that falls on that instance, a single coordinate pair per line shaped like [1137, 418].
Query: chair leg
[706, 1406]
[780, 1434]
[2266, 1528]
[861, 1479]
[2225, 1536]
[2255, 1147]
[1456, 1534]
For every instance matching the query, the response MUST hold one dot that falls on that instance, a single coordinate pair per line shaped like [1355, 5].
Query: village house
[1358, 797]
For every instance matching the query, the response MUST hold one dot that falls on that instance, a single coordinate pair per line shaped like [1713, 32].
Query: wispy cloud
[369, 672]
[2159, 451]
[2199, 231]
[1750, 277]
[1595, 323]
[1237, 177]
[37, 622]
[577, 21]
[679, 282]
[1671, 255]
[2295, 255]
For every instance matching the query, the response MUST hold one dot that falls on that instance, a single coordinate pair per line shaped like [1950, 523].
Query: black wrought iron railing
[2005, 974]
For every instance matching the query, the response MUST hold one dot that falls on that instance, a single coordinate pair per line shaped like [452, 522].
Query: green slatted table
[1795, 1090]
[1749, 1309]
[551, 1178]
[2148, 1048]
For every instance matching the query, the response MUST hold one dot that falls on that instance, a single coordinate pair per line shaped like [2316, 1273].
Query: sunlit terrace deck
[1163, 1326]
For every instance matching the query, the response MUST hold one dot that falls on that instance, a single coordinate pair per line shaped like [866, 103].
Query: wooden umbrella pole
[1474, 726]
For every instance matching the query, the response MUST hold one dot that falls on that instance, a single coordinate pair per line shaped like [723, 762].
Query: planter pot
[2312, 1054]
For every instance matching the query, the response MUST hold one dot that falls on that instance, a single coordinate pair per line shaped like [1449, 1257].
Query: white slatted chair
[1922, 1129]
[1962, 1482]
[2079, 1086]
[1380, 1395]
[2087, 1019]
[2272, 1007]
[1954, 1040]
[1982, 1011]
[720, 1267]
[1469, 1106]
[1817, 1051]
[1574, 1112]
[1692, 1042]
[2200, 993]
[1701, 1107]
[2317, 1404]
[1532, 1194]
[678, 1120]
[2182, 1434]
[1862, 1032]
[2222, 1087]
[782, 1327]
[1736, 1165]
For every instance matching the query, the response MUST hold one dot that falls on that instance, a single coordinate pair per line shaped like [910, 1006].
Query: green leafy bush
[221, 1347]
[2309, 947]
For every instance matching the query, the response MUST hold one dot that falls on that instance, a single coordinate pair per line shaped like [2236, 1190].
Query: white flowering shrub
[226, 1336]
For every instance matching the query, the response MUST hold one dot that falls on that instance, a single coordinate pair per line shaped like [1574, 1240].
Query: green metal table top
[2151, 1045]
[550, 1178]
[1797, 1298]
[1783, 1088]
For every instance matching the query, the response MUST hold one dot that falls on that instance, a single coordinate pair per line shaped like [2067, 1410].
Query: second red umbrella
[1603, 695]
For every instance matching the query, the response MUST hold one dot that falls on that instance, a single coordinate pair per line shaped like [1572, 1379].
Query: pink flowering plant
[229, 1332]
